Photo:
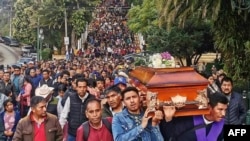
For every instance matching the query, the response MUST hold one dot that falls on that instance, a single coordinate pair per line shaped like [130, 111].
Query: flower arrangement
[161, 60]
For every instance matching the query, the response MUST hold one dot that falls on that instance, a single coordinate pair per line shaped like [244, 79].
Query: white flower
[157, 61]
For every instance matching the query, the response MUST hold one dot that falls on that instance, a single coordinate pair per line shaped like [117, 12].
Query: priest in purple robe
[207, 127]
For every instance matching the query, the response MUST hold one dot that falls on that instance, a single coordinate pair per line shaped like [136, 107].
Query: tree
[142, 17]
[184, 43]
[230, 20]
[187, 43]
[21, 22]
[79, 14]
[49, 15]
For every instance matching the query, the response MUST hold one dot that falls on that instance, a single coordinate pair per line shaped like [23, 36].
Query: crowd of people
[90, 98]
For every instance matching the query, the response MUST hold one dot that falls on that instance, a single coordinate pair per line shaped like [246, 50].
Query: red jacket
[102, 134]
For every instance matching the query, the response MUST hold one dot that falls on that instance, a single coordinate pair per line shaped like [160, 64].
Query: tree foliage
[21, 22]
[134, 2]
[232, 36]
[79, 20]
[188, 43]
[143, 17]
[50, 15]
[230, 20]
[184, 43]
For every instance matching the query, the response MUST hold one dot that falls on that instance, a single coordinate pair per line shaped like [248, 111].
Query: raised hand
[145, 118]
[157, 117]
[169, 112]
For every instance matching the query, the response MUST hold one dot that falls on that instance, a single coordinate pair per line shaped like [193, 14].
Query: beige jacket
[25, 131]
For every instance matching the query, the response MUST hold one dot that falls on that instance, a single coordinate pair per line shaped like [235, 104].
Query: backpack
[86, 128]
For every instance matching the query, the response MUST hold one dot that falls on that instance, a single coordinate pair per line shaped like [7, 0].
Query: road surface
[8, 55]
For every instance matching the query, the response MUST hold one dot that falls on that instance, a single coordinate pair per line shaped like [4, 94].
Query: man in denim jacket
[133, 124]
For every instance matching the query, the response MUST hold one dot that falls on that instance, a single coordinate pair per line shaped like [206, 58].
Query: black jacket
[76, 114]
[69, 91]
[236, 111]
[182, 129]
[106, 111]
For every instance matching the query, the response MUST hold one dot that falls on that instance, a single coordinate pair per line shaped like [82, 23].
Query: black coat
[180, 129]
[236, 111]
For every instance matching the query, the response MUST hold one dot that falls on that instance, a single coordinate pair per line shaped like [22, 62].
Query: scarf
[213, 133]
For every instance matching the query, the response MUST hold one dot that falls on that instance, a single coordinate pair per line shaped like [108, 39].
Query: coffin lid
[168, 77]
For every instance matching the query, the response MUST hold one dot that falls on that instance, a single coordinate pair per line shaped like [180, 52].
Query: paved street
[8, 55]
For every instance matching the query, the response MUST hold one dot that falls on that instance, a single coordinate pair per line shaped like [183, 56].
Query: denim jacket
[124, 128]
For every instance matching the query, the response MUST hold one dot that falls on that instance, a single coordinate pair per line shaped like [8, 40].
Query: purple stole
[213, 133]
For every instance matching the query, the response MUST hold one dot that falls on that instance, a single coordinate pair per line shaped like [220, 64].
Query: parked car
[24, 60]
[11, 41]
[1, 40]
[27, 50]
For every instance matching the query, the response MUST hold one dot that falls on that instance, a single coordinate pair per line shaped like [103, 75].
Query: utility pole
[66, 38]
[10, 14]
[38, 38]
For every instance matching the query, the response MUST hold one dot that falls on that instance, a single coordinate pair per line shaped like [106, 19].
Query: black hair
[65, 72]
[91, 82]
[62, 87]
[6, 102]
[36, 100]
[100, 79]
[27, 79]
[128, 89]
[46, 71]
[113, 88]
[81, 80]
[60, 75]
[77, 76]
[227, 79]
[216, 98]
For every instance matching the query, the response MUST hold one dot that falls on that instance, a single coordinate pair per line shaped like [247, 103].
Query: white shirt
[59, 106]
[113, 113]
[206, 121]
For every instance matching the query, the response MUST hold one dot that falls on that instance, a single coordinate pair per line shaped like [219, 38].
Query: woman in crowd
[212, 86]
[61, 90]
[25, 96]
[10, 118]
[108, 82]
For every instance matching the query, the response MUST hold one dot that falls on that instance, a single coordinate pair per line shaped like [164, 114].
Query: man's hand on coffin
[158, 115]
[169, 112]
[145, 118]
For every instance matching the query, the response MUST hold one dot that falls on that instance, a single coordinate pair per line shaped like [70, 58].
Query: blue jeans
[71, 138]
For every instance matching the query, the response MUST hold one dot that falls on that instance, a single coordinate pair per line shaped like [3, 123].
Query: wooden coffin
[170, 82]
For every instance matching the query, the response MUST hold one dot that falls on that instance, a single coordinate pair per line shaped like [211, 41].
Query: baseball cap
[120, 80]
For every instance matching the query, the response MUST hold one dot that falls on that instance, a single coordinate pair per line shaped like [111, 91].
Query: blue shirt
[125, 128]
[16, 83]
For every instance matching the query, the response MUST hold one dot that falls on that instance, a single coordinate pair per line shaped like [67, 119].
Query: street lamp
[41, 37]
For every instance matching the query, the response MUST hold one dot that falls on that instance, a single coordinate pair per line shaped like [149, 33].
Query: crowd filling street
[89, 97]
